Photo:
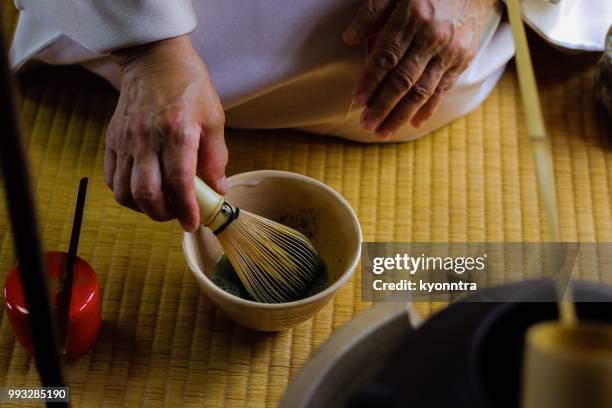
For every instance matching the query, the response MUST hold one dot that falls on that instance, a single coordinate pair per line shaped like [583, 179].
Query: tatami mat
[163, 341]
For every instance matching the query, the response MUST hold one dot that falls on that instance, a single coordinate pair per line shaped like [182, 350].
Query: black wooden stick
[66, 281]
[26, 234]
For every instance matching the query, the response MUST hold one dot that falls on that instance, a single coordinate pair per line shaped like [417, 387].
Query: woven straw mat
[164, 343]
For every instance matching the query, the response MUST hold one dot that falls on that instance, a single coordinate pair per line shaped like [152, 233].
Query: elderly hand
[421, 48]
[168, 126]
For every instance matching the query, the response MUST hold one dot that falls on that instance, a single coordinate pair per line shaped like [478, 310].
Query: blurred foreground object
[567, 367]
[603, 79]
[378, 359]
[26, 235]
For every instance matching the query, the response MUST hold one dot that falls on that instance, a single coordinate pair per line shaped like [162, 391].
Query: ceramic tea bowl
[300, 202]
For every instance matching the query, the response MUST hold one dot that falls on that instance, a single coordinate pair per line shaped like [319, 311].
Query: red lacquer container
[85, 317]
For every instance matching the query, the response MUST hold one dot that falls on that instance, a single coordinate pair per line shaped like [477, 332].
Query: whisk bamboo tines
[275, 263]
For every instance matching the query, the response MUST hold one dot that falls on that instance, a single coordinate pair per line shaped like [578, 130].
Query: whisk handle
[209, 201]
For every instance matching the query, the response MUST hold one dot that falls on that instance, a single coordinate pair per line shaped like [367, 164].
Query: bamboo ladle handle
[534, 119]
[543, 161]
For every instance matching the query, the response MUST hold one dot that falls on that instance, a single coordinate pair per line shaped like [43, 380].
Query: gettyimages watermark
[480, 271]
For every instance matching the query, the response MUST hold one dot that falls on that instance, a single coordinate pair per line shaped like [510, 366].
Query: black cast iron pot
[470, 354]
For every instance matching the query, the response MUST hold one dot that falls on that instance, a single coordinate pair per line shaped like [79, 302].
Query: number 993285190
[43, 394]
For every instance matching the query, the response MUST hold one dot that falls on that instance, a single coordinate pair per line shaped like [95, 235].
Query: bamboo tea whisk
[275, 263]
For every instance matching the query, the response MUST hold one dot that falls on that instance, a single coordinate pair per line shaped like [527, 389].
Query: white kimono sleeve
[105, 25]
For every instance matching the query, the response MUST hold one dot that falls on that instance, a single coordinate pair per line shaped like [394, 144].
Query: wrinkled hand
[168, 126]
[421, 47]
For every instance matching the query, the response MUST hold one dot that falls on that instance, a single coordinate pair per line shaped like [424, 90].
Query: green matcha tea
[226, 278]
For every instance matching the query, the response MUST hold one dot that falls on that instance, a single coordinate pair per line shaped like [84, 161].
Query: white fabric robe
[278, 63]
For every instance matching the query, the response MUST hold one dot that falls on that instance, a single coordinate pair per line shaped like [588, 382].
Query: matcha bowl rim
[233, 305]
